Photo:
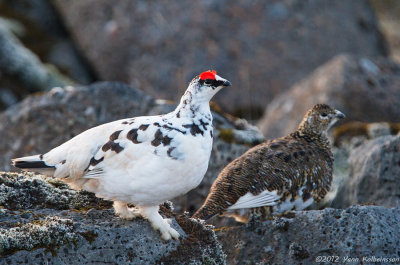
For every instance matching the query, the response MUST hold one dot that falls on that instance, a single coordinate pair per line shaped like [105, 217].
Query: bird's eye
[324, 115]
[208, 81]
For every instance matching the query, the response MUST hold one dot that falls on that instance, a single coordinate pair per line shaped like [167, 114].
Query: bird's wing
[249, 200]
[142, 139]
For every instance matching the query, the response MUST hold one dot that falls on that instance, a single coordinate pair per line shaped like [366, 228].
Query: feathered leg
[122, 209]
[159, 223]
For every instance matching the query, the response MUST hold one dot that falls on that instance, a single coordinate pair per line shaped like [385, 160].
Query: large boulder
[36, 52]
[44, 222]
[39, 27]
[42, 122]
[374, 174]
[364, 89]
[357, 235]
[21, 71]
[263, 47]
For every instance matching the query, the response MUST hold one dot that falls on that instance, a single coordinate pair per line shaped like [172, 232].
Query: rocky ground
[44, 222]
[303, 237]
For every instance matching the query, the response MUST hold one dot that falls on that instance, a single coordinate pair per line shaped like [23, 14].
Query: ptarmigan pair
[144, 160]
[148, 160]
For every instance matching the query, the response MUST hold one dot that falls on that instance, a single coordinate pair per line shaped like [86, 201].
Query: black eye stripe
[212, 82]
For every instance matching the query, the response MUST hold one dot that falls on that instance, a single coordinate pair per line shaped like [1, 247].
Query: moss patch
[227, 135]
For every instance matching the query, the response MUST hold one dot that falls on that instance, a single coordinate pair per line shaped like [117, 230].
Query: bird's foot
[167, 232]
[159, 223]
[123, 211]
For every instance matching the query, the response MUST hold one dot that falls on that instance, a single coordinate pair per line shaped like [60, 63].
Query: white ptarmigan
[143, 160]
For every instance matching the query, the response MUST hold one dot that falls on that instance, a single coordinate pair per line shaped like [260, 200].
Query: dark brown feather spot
[94, 161]
[194, 129]
[133, 135]
[115, 135]
[166, 140]
[113, 146]
[157, 138]
[144, 127]
[170, 151]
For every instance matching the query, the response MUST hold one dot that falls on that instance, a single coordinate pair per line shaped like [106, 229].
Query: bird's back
[274, 171]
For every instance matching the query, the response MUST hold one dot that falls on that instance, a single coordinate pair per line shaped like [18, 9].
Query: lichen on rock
[49, 233]
[43, 221]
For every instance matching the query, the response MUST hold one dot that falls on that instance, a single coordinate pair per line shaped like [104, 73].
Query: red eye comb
[208, 75]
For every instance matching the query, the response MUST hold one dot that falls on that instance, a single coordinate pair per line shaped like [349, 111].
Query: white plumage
[144, 160]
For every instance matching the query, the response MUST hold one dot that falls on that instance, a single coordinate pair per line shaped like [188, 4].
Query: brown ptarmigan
[143, 160]
[278, 175]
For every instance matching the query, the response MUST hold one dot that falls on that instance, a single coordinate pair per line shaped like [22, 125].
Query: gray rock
[374, 174]
[42, 32]
[40, 233]
[43, 122]
[262, 47]
[359, 232]
[349, 83]
[16, 60]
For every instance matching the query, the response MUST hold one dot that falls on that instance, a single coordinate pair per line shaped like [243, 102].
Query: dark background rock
[374, 174]
[387, 13]
[21, 71]
[42, 122]
[301, 237]
[43, 32]
[364, 89]
[74, 231]
[262, 47]
[36, 53]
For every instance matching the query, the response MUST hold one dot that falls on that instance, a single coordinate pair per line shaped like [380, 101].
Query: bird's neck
[310, 135]
[192, 107]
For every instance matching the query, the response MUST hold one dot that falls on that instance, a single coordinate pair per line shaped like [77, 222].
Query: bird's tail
[34, 163]
[203, 213]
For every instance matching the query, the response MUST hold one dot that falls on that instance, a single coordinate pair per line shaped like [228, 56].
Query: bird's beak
[226, 83]
[339, 115]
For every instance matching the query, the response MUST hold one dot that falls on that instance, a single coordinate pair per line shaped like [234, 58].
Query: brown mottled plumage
[278, 175]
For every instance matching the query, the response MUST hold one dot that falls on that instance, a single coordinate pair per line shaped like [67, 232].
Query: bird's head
[320, 118]
[204, 86]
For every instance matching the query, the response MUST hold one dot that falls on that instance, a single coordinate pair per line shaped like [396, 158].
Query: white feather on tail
[35, 164]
